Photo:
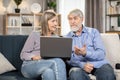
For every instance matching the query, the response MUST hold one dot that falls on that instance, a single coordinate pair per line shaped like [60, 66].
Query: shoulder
[69, 34]
[91, 30]
[34, 34]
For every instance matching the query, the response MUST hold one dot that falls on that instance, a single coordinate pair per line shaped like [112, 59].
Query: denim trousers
[105, 72]
[47, 69]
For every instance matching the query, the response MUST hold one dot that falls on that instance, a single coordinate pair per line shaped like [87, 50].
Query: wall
[63, 7]
[24, 6]
[9, 6]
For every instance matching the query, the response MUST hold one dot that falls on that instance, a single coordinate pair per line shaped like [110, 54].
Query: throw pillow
[5, 65]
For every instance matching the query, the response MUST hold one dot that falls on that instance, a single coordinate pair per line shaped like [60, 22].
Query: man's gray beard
[75, 29]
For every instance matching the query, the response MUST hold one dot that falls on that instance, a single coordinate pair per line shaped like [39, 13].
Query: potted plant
[17, 2]
[51, 5]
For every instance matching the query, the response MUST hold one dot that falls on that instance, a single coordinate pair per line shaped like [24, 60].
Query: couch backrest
[10, 47]
[112, 44]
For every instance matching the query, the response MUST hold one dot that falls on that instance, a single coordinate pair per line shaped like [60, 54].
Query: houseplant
[17, 2]
[51, 5]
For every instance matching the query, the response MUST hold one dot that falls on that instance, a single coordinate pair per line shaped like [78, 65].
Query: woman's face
[52, 24]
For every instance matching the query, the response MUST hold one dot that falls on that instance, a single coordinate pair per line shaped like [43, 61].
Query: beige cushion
[112, 45]
[5, 65]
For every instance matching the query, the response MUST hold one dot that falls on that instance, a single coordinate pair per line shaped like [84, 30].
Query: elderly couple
[87, 57]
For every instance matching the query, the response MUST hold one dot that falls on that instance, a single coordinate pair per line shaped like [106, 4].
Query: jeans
[103, 73]
[50, 69]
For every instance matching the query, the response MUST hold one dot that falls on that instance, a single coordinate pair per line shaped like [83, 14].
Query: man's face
[75, 22]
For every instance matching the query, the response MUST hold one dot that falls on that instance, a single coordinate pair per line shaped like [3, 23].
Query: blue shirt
[94, 47]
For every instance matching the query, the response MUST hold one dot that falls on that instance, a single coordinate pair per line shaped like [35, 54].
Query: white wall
[64, 7]
[24, 6]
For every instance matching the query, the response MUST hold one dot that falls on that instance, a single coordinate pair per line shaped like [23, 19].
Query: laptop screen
[55, 47]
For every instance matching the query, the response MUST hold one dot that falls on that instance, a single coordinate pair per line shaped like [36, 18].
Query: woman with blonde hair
[33, 65]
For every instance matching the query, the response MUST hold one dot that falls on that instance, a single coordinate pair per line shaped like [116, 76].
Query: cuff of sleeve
[30, 57]
[82, 65]
[27, 57]
[88, 54]
[74, 55]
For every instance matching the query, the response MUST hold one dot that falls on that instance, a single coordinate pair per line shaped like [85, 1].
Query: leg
[105, 73]
[78, 74]
[33, 69]
[59, 68]
[48, 74]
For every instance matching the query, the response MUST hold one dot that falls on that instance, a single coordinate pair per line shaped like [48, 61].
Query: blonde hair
[76, 12]
[47, 15]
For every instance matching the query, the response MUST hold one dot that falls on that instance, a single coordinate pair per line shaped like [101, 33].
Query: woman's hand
[36, 58]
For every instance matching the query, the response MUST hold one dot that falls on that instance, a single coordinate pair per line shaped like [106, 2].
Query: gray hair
[76, 12]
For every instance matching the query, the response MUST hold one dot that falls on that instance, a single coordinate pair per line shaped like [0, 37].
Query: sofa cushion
[13, 75]
[10, 46]
[5, 65]
[112, 45]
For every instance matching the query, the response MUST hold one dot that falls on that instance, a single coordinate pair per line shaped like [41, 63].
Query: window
[64, 7]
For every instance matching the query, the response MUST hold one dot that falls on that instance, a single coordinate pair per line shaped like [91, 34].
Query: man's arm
[75, 61]
[98, 52]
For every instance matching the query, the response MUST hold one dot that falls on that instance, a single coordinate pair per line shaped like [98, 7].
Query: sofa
[112, 45]
[11, 46]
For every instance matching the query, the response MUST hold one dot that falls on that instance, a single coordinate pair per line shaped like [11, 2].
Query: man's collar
[83, 31]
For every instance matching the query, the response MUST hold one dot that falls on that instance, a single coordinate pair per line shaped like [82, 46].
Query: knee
[105, 73]
[60, 61]
[76, 74]
[48, 73]
[109, 75]
[106, 76]
[75, 71]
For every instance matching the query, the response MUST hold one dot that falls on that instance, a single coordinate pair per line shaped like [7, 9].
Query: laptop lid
[55, 47]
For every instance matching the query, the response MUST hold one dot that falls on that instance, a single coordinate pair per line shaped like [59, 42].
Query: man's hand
[88, 67]
[36, 58]
[80, 51]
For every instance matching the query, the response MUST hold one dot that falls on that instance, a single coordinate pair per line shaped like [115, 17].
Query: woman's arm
[31, 47]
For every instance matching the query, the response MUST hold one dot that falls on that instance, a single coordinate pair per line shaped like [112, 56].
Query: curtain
[94, 14]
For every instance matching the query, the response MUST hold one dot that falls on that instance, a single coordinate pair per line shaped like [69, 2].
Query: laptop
[55, 47]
